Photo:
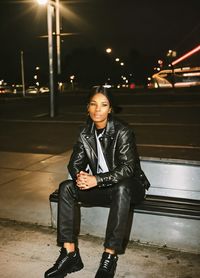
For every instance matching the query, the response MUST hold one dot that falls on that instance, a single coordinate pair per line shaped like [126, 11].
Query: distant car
[2, 90]
[18, 89]
[44, 90]
[32, 90]
[6, 89]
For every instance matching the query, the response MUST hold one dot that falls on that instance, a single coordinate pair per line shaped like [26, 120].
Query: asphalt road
[166, 124]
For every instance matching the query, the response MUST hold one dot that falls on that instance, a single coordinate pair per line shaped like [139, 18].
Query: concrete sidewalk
[28, 244]
[29, 250]
[26, 182]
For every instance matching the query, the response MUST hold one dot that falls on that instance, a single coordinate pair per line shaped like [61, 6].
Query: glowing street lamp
[72, 81]
[108, 50]
[42, 2]
[56, 5]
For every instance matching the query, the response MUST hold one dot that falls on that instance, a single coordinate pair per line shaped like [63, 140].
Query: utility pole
[54, 49]
[22, 73]
[54, 53]
[58, 48]
[51, 60]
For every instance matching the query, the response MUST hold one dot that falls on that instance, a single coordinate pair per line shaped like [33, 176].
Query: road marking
[160, 105]
[41, 115]
[41, 121]
[122, 114]
[140, 115]
[169, 146]
[164, 124]
[82, 122]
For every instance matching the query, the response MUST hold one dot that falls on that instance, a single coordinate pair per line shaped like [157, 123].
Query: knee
[123, 188]
[65, 186]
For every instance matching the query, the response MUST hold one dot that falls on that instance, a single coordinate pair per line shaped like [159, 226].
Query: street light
[108, 50]
[37, 76]
[72, 81]
[52, 86]
[42, 2]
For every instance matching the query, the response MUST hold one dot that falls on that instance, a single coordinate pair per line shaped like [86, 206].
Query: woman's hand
[85, 181]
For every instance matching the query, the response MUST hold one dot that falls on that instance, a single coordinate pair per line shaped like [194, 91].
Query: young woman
[105, 170]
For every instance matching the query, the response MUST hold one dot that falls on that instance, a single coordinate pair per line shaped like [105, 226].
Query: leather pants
[117, 197]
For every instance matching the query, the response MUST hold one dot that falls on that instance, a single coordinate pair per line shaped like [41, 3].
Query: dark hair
[104, 91]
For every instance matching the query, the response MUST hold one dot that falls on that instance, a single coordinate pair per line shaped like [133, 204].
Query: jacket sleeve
[78, 159]
[126, 157]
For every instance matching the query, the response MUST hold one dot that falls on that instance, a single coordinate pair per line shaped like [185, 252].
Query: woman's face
[98, 109]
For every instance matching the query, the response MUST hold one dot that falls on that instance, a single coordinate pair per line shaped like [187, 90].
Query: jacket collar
[109, 130]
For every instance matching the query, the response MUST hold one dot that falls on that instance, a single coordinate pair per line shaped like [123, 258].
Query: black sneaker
[107, 266]
[66, 263]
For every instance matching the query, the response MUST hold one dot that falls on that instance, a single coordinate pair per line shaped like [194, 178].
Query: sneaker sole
[75, 268]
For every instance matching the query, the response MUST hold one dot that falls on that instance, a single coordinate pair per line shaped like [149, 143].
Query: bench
[168, 216]
[158, 205]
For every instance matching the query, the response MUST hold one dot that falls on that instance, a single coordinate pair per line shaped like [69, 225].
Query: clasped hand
[85, 181]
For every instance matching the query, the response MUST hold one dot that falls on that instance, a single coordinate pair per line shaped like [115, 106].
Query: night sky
[151, 27]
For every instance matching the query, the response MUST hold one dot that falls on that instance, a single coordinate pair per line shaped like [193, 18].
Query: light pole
[58, 37]
[22, 72]
[52, 80]
[72, 81]
[172, 54]
[51, 60]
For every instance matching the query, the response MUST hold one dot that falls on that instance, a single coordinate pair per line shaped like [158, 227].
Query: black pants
[117, 197]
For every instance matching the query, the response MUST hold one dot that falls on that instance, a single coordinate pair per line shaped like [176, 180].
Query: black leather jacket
[119, 148]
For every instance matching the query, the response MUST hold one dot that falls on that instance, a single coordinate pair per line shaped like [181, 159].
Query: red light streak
[188, 54]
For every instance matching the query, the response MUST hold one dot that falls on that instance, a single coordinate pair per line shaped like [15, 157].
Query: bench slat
[159, 205]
